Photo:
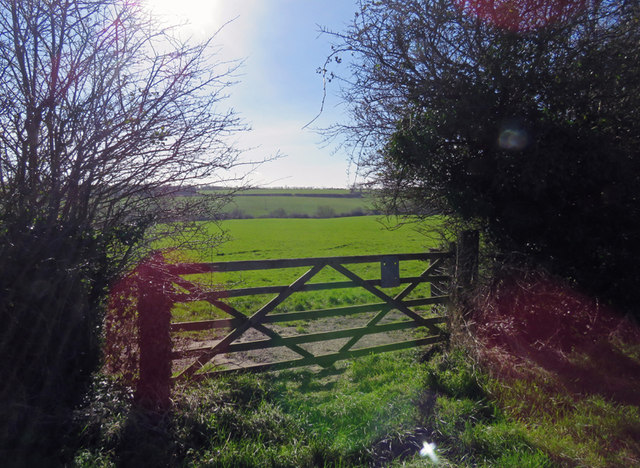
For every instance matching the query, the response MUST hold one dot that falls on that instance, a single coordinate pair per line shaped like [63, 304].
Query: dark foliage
[529, 134]
[101, 128]
[51, 288]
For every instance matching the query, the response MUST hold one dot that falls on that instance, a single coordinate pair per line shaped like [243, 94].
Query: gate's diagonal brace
[393, 303]
[252, 322]
[212, 299]
[385, 310]
[258, 326]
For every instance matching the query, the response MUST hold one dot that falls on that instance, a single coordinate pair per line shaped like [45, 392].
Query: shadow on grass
[231, 421]
[531, 321]
[148, 439]
[565, 363]
[309, 380]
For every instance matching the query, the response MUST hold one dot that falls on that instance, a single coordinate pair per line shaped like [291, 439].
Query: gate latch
[389, 272]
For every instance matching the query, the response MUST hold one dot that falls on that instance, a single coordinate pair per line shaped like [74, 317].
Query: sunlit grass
[379, 410]
[300, 238]
[253, 239]
[286, 238]
[300, 418]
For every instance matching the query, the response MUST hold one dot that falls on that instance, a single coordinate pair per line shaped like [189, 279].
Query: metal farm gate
[414, 311]
[160, 285]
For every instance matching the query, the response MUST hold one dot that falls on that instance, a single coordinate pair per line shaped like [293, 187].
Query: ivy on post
[153, 390]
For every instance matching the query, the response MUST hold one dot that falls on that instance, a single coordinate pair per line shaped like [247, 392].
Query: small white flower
[429, 450]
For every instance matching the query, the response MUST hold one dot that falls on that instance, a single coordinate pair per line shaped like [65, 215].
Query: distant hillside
[298, 203]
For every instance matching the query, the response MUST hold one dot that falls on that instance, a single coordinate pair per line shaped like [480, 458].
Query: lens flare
[513, 134]
[193, 16]
[522, 15]
[429, 451]
[513, 139]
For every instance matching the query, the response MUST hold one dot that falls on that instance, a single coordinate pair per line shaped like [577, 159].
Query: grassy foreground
[376, 411]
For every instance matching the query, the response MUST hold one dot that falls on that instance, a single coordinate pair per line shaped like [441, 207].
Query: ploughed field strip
[390, 311]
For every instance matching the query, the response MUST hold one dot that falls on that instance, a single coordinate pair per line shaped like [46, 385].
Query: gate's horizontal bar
[180, 297]
[350, 310]
[327, 358]
[311, 338]
[243, 265]
[303, 315]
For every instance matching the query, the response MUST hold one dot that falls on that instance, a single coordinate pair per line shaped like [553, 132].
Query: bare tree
[103, 117]
[102, 111]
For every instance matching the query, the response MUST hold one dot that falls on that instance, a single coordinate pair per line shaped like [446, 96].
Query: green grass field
[374, 411]
[292, 206]
[254, 239]
[251, 239]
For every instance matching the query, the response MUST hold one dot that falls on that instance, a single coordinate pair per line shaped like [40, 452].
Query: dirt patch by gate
[243, 359]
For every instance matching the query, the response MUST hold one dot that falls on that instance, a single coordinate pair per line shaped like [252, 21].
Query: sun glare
[196, 16]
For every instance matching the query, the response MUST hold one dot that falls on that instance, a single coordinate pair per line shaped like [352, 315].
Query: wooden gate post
[467, 261]
[153, 390]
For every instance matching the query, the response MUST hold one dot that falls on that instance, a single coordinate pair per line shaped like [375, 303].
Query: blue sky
[279, 91]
